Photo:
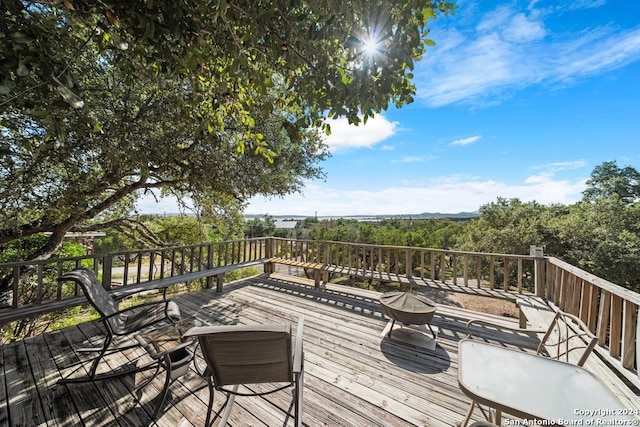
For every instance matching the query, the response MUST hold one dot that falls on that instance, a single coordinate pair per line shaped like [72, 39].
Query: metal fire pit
[408, 309]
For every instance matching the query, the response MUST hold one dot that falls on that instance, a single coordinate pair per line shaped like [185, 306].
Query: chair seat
[136, 320]
[251, 354]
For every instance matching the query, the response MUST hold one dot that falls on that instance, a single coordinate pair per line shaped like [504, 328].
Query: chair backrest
[98, 297]
[246, 354]
[569, 339]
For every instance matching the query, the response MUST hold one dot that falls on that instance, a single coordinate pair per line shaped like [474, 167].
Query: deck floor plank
[89, 410]
[353, 376]
[25, 408]
[4, 402]
[54, 400]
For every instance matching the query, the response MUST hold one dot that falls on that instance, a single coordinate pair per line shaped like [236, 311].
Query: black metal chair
[251, 354]
[117, 322]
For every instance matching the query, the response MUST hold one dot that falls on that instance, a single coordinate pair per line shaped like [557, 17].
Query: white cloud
[343, 135]
[466, 141]
[564, 6]
[522, 29]
[409, 159]
[449, 194]
[147, 204]
[552, 168]
[509, 49]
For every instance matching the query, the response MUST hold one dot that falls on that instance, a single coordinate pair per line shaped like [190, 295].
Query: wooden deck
[353, 376]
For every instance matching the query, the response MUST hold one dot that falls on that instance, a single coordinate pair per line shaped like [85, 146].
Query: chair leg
[469, 413]
[299, 399]
[94, 365]
[148, 380]
[227, 409]
[207, 423]
[497, 417]
[165, 391]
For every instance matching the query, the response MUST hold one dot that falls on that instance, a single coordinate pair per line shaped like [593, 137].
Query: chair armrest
[153, 350]
[135, 307]
[507, 328]
[298, 355]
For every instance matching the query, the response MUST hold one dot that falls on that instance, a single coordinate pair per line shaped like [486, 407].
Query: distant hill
[460, 216]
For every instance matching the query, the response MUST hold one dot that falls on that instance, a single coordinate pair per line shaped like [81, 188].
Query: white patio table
[533, 387]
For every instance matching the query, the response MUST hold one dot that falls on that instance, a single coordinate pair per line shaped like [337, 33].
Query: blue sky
[518, 99]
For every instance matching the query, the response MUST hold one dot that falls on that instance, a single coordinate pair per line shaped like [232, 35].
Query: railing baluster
[615, 331]
[39, 279]
[125, 277]
[139, 270]
[629, 323]
[15, 286]
[505, 274]
[465, 270]
[603, 318]
[152, 261]
[454, 273]
[492, 274]
[519, 286]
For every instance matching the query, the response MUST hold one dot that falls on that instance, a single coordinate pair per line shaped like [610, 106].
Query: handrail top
[10, 264]
[448, 251]
[610, 287]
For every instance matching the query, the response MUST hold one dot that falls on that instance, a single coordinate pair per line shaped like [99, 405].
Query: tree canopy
[610, 180]
[101, 101]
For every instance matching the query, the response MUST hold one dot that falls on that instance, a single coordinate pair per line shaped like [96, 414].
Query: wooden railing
[513, 273]
[34, 290]
[609, 310]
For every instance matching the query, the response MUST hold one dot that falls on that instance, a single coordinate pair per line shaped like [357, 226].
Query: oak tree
[102, 101]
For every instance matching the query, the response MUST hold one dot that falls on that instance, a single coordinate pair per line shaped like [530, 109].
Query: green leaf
[22, 70]
[149, 30]
[20, 37]
[429, 42]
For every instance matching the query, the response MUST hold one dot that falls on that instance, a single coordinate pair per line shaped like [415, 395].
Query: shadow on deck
[353, 376]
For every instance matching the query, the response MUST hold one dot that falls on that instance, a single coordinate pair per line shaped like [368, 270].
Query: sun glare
[372, 46]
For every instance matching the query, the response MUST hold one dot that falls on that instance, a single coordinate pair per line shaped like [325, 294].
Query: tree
[508, 226]
[603, 238]
[102, 101]
[608, 179]
[260, 227]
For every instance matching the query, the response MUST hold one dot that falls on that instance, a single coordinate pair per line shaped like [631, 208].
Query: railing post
[268, 266]
[106, 271]
[408, 264]
[210, 265]
[540, 276]
[326, 261]
[219, 282]
[540, 263]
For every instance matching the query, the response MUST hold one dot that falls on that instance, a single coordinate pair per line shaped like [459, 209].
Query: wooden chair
[116, 322]
[251, 354]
